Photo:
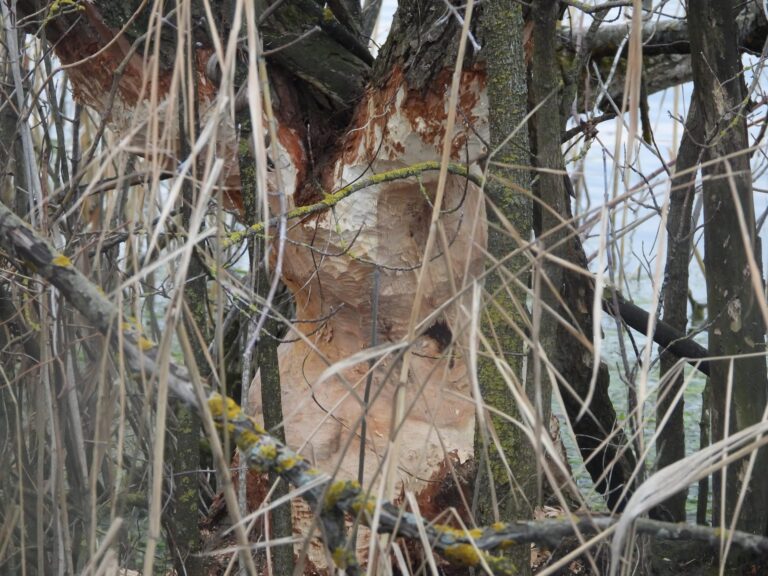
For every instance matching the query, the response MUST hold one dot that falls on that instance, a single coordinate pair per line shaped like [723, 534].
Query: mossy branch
[330, 200]
[29, 248]
[331, 500]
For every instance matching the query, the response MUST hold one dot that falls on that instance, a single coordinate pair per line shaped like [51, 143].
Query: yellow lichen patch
[458, 533]
[475, 533]
[498, 526]
[58, 7]
[61, 261]
[338, 489]
[507, 544]
[464, 554]
[246, 439]
[218, 405]
[236, 237]
[342, 557]
[230, 430]
[362, 503]
[328, 15]
[268, 451]
[287, 462]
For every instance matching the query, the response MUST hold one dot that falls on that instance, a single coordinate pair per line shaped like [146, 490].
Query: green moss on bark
[504, 315]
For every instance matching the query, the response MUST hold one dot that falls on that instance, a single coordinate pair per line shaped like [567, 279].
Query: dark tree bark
[670, 445]
[736, 324]
[181, 518]
[610, 463]
[266, 362]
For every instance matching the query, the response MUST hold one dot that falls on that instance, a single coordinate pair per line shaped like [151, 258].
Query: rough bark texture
[553, 235]
[505, 317]
[670, 445]
[335, 62]
[569, 293]
[736, 325]
[183, 447]
[266, 361]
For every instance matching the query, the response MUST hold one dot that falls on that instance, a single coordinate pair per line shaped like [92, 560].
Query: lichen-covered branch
[475, 547]
[22, 242]
[334, 198]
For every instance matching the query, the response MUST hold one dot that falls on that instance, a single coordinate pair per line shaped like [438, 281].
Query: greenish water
[692, 398]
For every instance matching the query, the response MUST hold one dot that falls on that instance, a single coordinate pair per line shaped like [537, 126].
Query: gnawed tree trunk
[397, 121]
[734, 283]
[331, 259]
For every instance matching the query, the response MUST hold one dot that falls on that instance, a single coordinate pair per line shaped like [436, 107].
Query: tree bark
[505, 315]
[609, 459]
[670, 444]
[740, 385]
[267, 362]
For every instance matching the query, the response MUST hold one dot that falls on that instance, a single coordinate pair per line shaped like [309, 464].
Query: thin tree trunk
[266, 350]
[545, 87]
[502, 27]
[182, 517]
[670, 443]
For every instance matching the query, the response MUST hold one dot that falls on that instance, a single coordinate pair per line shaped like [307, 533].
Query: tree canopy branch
[669, 36]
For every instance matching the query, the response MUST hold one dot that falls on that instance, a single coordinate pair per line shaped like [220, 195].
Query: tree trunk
[331, 260]
[501, 496]
[740, 385]
[602, 443]
[670, 444]
[267, 363]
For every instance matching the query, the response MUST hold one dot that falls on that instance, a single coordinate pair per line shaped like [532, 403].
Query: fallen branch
[331, 500]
